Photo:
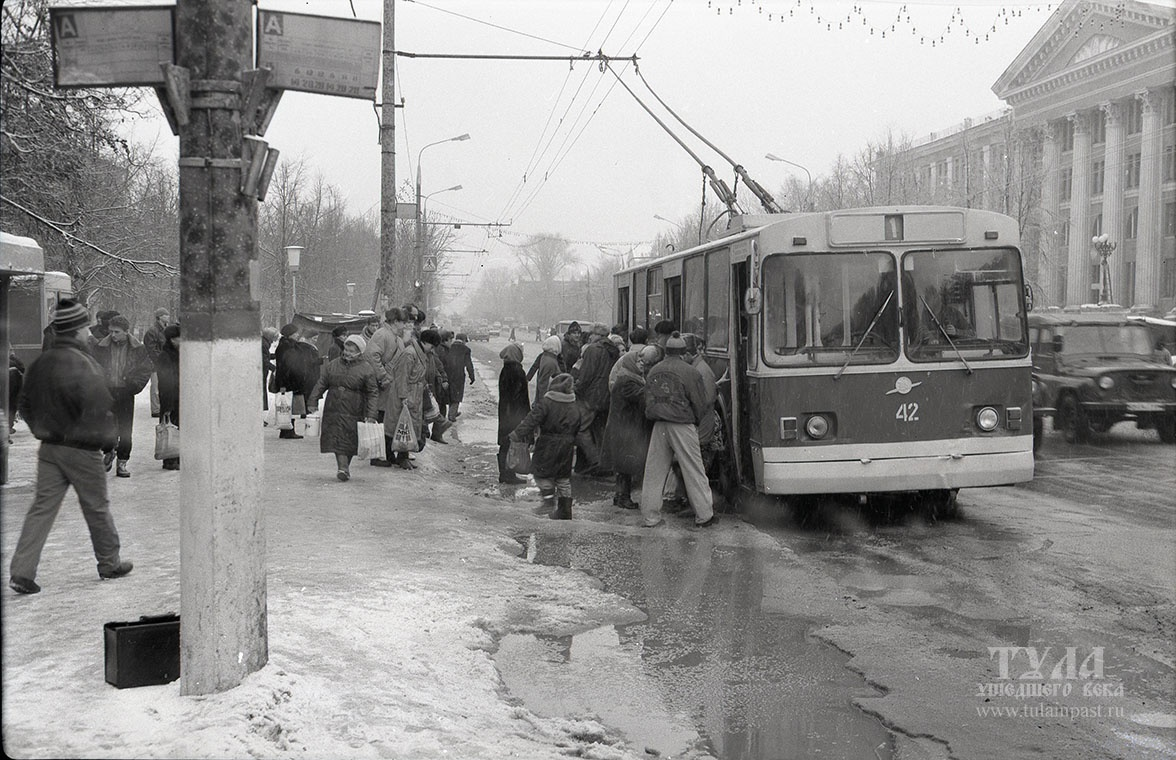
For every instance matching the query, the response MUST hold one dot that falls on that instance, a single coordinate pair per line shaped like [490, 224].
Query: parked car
[1099, 369]
[478, 333]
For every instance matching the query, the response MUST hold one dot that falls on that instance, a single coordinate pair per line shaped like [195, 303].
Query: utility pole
[387, 160]
[222, 534]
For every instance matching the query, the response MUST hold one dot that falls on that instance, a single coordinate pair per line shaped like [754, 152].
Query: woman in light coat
[407, 389]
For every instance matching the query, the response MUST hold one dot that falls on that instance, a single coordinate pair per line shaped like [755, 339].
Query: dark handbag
[518, 457]
[145, 652]
[273, 382]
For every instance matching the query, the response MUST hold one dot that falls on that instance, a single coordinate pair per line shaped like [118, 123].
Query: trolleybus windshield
[830, 308]
[965, 304]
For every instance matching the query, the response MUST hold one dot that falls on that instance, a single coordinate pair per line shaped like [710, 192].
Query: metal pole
[294, 283]
[222, 534]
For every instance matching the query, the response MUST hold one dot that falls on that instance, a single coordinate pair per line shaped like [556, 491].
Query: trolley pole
[222, 533]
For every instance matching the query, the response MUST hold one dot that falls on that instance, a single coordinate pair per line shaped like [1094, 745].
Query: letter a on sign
[272, 24]
[67, 28]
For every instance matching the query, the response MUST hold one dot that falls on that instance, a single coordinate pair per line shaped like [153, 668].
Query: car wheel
[1075, 425]
[1166, 427]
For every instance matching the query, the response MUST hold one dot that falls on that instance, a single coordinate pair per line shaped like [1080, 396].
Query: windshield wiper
[869, 329]
[943, 330]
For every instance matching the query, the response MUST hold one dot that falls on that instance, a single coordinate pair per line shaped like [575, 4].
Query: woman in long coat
[627, 432]
[557, 418]
[547, 365]
[297, 368]
[167, 366]
[407, 389]
[513, 404]
[458, 364]
[352, 396]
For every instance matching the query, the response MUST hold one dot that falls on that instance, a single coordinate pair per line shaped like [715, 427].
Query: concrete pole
[388, 159]
[223, 634]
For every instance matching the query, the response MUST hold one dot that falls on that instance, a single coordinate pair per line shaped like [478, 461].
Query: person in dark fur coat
[167, 367]
[458, 365]
[514, 402]
[352, 398]
[556, 417]
[626, 434]
[296, 372]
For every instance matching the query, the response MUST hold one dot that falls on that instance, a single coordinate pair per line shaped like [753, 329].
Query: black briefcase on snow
[145, 652]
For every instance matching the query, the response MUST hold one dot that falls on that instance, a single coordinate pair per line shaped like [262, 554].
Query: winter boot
[121, 469]
[547, 507]
[564, 510]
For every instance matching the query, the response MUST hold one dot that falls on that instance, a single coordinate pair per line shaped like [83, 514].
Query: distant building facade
[1086, 147]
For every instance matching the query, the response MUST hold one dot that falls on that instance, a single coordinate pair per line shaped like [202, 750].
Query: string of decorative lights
[856, 17]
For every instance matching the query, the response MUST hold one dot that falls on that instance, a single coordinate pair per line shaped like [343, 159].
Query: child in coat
[557, 418]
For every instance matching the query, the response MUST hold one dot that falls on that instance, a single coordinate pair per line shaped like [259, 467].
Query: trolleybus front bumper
[881, 467]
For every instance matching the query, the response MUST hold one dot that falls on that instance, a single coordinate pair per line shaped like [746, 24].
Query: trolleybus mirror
[1057, 344]
[752, 302]
[1028, 297]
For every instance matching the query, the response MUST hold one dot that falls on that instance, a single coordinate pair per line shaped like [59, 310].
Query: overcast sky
[753, 77]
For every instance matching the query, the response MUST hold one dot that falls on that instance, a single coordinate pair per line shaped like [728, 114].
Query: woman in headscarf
[167, 365]
[556, 417]
[352, 392]
[513, 404]
[547, 365]
[407, 390]
[626, 434]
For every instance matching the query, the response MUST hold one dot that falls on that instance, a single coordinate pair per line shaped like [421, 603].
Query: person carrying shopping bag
[349, 383]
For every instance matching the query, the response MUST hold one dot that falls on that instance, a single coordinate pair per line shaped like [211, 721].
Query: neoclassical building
[1086, 147]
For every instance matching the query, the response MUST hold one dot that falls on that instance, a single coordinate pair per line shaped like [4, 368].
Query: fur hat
[288, 330]
[69, 316]
[561, 383]
[617, 340]
[512, 353]
[430, 336]
[171, 331]
[600, 329]
[161, 312]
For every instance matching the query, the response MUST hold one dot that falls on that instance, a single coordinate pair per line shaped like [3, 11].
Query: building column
[1112, 203]
[984, 176]
[1147, 243]
[1078, 258]
[1050, 252]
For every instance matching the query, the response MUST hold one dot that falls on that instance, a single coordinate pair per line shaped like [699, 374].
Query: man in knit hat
[153, 341]
[675, 399]
[67, 405]
[128, 368]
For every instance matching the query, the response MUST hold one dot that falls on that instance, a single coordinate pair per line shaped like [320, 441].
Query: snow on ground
[386, 597]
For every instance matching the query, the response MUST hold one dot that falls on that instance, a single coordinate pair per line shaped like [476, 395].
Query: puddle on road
[718, 665]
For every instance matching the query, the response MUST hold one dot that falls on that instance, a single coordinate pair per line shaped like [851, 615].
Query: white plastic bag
[283, 406]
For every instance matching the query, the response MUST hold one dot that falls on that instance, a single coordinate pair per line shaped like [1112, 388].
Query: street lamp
[293, 261]
[1104, 247]
[809, 197]
[419, 220]
[421, 210]
[350, 293]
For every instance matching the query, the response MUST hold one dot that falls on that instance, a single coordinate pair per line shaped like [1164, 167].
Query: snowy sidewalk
[386, 595]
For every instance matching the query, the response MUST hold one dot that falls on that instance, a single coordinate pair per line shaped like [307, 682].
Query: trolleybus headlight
[987, 419]
[1106, 382]
[817, 427]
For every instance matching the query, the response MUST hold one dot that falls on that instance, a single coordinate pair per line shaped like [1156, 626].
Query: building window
[1170, 219]
[1067, 135]
[1134, 116]
[1097, 174]
[1133, 164]
[1098, 127]
[1169, 111]
[1096, 226]
[1131, 227]
[1169, 162]
[1066, 234]
[1067, 178]
[1168, 278]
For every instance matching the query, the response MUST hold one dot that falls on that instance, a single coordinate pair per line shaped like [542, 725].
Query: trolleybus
[859, 351]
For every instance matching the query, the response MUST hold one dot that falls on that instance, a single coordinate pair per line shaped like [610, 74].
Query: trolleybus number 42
[907, 412]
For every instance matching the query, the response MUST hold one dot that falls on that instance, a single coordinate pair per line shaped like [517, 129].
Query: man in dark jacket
[128, 368]
[675, 399]
[297, 371]
[67, 405]
[596, 362]
[153, 340]
[268, 336]
[458, 364]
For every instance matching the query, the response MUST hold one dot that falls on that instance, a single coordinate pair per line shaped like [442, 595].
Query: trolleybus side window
[694, 296]
[965, 302]
[623, 308]
[655, 311]
[718, 301]
[828, 307]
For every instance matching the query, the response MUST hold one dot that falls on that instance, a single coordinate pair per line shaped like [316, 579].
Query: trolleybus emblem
[903, 385]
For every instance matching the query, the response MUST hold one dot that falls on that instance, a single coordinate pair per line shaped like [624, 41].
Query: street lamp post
[350, 293]
[419, 284]
[293, 261]
[1104, 247]
[427, 277]
[808, 201]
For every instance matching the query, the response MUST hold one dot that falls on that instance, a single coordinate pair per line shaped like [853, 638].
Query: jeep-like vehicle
[1098, 369]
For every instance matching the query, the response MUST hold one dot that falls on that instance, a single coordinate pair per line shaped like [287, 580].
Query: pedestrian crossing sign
[430, 264]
